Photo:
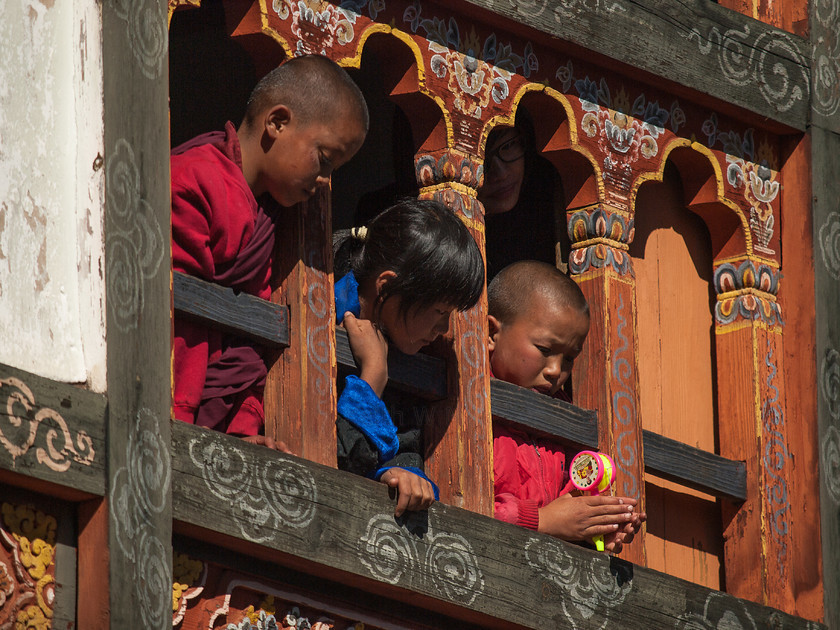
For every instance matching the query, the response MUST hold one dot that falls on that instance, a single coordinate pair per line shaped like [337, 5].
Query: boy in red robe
[538, 320]
[303, 120]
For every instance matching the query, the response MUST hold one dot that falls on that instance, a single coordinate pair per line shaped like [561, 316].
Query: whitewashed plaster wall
[52, 318]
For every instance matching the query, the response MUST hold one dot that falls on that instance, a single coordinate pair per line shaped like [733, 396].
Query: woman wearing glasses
[521, 196]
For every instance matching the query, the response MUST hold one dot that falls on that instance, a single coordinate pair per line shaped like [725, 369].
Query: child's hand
[581, 518]
[277, 445]
[370, 349]
[414, 492]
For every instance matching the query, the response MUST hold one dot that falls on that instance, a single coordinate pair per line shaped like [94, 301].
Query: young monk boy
[538, 321]
[303, 120]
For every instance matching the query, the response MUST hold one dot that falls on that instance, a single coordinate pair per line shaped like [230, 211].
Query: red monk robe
[222, 234]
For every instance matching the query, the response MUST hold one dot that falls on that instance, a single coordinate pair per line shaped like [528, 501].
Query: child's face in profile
[538, 348]
[420, 327]
[304, 155]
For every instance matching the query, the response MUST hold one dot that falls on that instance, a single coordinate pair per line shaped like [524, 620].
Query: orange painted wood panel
[93, 593]
[672, 258]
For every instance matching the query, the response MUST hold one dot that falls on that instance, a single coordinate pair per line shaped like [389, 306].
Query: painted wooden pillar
[606, 373]
[459, 434]
[300, 396]
[138, 298]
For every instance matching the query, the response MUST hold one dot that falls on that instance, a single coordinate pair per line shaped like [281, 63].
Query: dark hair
[311, 86]
[434, 256]
[508, 293]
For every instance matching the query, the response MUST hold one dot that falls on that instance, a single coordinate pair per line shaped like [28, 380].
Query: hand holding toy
[592, 473]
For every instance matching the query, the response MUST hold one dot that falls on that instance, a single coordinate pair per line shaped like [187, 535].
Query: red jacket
[529, 472]
[220, 234]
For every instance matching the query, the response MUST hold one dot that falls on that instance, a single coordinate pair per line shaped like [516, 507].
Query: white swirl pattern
[148, 37]
[830, 244]
[830, 382]
[139, 495]
[747, 61]
[830, 464]
[283, 493]
[591, 588]
[448, 564]
[19, 438]
[826, 69]
[135, 239]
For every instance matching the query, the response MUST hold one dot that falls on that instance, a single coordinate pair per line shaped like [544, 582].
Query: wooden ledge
[322, 521]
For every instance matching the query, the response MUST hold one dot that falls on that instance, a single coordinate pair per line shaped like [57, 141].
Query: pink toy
[592, 473]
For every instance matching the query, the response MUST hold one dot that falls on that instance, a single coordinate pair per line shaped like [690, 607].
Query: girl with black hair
[404, 274]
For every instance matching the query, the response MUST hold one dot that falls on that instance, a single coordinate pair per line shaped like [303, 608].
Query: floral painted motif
[29, 535]
[746, 292]
[319, 26]
[187, 583]
[477, 71]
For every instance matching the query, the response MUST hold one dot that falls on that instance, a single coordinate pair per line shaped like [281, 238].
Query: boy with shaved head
[304, 119]
[538, 320]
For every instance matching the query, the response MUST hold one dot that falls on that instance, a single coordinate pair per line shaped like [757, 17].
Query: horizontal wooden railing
[425, 376]
[241, 313]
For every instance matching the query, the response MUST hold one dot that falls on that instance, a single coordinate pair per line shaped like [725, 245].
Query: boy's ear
[276, 119]
[494, 326]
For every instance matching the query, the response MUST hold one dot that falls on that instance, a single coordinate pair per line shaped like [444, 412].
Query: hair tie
[359, 233]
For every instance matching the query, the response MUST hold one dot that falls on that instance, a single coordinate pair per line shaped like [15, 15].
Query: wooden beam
[694, 467]
[420, 374]
[236, 312]
[52, 432]
[665, 457]
[550, 417]
[321, 521]
[715, 56]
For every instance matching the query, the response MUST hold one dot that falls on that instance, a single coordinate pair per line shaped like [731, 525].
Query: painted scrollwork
[19, 437]
[830, 464]
[136, 244]
[148, 37]
[774, 461]
[746, 60]
[442, 561]
[139, 495]
[590, 588]
[826, 69]
[829, 240]
[282, 494]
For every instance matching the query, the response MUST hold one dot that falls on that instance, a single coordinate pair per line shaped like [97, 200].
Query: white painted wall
[52, 318]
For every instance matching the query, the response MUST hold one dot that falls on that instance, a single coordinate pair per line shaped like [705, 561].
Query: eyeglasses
[510, 151]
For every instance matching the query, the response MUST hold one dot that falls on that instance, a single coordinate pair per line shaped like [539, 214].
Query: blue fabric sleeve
[346, 297]
[365, 410]
[412, 469]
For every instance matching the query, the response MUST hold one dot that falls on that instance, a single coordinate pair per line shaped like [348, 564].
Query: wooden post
[459, 433]
[138, 299]
[825, 223]
[300, 394]
[606, 374]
